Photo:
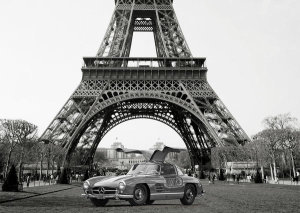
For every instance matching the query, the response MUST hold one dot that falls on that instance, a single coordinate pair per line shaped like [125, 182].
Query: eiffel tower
[171, 88]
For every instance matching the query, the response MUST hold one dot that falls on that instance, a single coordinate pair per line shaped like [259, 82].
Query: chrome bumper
[107, 196]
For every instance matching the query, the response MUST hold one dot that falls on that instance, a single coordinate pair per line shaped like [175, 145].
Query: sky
[252, 49]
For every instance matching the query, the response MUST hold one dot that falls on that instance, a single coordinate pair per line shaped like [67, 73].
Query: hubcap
[189, 194]
[139, 195]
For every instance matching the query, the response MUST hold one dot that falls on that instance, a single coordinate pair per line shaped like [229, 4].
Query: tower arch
[171, 114]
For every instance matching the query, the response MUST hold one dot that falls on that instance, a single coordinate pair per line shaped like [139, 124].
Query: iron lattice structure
[171, 88]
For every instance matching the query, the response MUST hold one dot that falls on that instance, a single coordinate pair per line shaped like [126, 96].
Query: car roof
[154, 162]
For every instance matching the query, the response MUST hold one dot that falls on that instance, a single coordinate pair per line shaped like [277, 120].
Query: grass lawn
[219, 197]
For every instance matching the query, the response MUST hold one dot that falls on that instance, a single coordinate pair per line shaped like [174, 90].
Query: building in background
[121, 160]
[159, 145]
[249, 167]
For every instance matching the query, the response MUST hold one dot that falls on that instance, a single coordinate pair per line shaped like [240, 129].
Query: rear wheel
[140, 195]
[189, 195]
[98, 202]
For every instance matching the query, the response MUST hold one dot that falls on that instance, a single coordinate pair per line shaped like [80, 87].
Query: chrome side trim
[125, 196]
[170, 193]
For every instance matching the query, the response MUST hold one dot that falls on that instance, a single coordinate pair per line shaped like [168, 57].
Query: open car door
[160, 156]
[147, 154]
[157, 155]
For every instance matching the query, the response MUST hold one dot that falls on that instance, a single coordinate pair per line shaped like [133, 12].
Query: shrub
[243, 174]
[86, 175]
[257, 178]
[221, 177]
[202, 175]
[11, 182]
[63, 177]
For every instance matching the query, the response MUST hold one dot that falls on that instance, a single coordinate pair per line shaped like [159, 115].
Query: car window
[137, 169]
[167, 169]
[153, 169]
[144, 169]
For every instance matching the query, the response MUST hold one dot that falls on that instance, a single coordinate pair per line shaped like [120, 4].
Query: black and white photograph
[149, 106]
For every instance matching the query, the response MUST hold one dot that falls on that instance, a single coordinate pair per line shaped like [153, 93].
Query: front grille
[104, 190]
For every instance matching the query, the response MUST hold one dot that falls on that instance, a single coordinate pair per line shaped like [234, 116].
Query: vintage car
[145, 182]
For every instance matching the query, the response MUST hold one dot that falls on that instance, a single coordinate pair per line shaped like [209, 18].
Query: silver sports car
[145, 183]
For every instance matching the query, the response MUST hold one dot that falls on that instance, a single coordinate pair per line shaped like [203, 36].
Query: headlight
[122, 185]
[86, 185]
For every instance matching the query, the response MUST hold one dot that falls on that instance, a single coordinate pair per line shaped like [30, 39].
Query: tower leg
[65, 170]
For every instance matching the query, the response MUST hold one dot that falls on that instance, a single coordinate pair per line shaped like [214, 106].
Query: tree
[2, 156]
[16, 133]
[291, 144]
[272, 139]
[258, 152]
[183, 160]
[282, 136]
[26, 138]
[78, 156]
[218, 157]
[281, 121]
[221, 155]
[56, 154]
[8, 136]
[11, 182]
[100, 157]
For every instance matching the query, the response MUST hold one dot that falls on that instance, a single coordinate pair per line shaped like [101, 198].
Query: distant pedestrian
[238, 178]
[51, 178]
[297, 176]
[27, 180]
[213, 178]
[195, 175]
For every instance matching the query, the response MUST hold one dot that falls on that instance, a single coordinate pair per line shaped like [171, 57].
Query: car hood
[111, 181]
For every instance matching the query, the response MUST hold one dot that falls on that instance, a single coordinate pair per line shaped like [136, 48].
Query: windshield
[145, 169]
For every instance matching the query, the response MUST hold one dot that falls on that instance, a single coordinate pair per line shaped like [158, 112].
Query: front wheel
[140, 195]
[189, 195]
[98, 202]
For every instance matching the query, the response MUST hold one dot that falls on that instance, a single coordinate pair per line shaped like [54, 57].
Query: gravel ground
[219, 197]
